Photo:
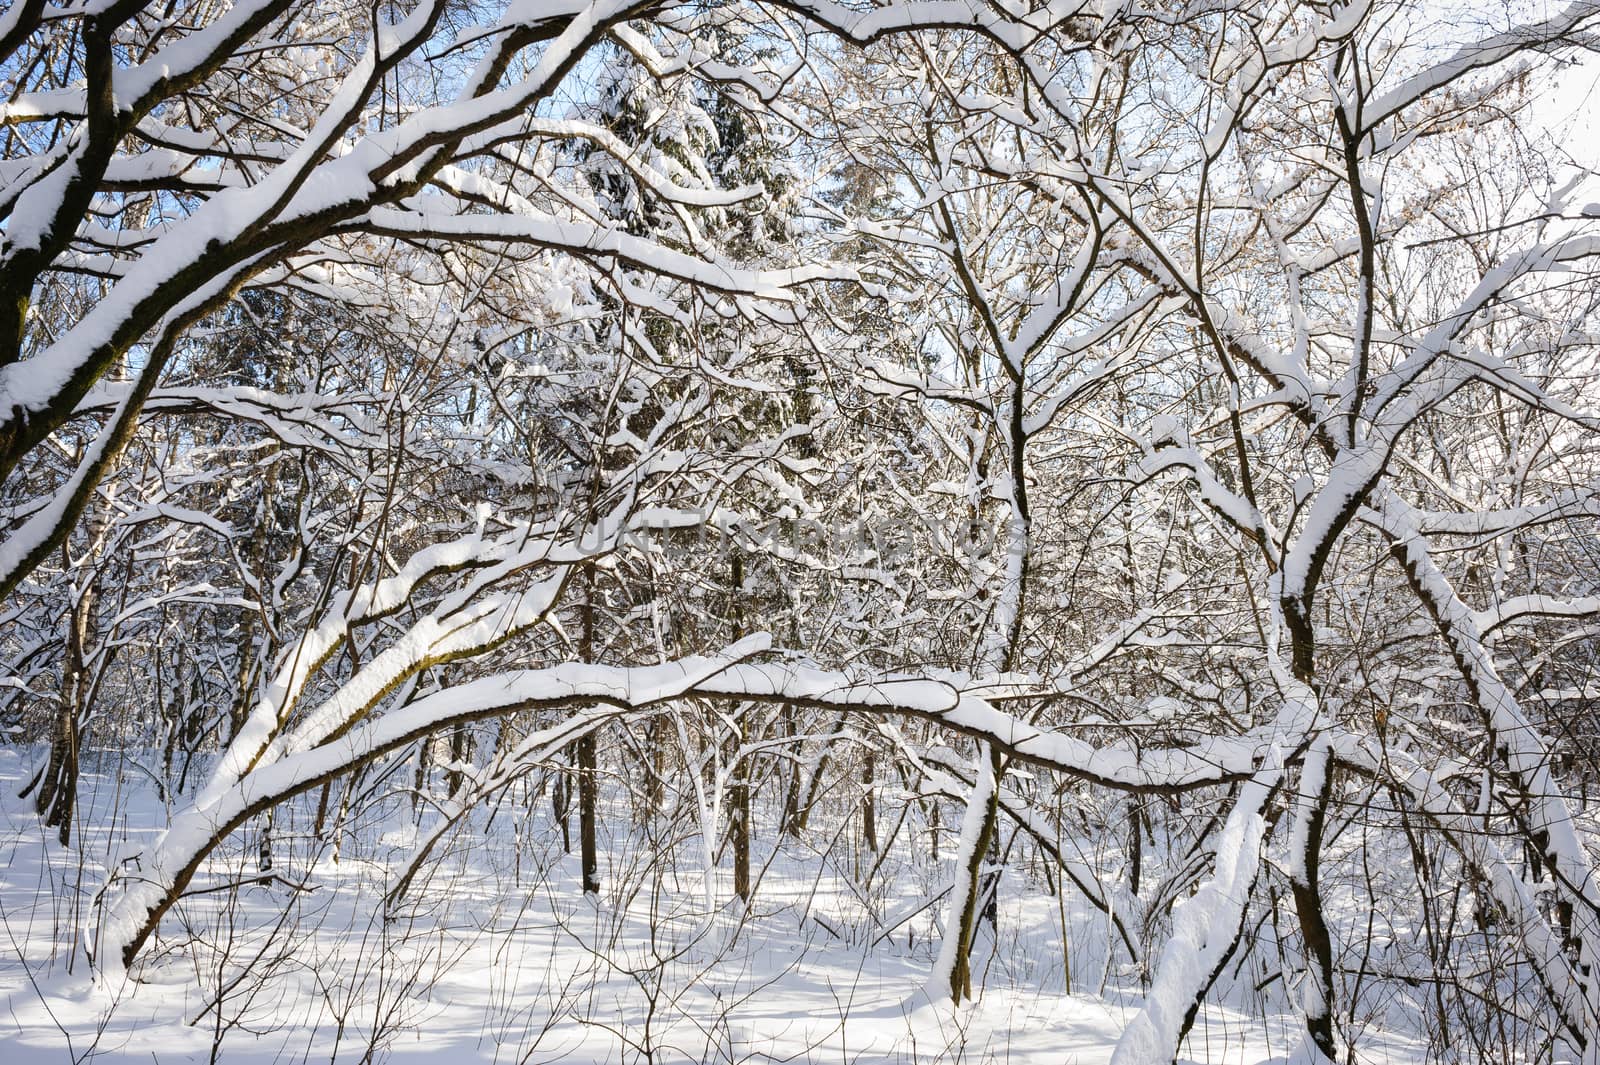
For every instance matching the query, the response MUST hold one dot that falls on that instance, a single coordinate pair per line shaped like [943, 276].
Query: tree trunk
[739, 787]
[789, 820]
[1312, 808]
[655, 767]
[561, 806]
[869, 809]
[264, 849]
[588, 796]
[1316, 778]
[1135, 845]
[739, 827]
[460, 751]
[58, 785]
[978, 831]
[588, 780]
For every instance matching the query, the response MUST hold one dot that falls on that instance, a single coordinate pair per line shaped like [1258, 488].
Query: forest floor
[496, 957]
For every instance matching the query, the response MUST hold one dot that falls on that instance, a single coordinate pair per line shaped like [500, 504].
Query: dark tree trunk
[739, 827]
[789, 821]
[869, 806]
[655, 767]
[58, 785]
[739, 788]
[588, 779]
[588, 797]
[1307, 890]
[460, 751]
[1135, 845]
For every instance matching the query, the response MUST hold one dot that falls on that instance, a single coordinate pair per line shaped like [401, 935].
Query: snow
[495, 957]
[1203, 931]
[1211, 761]
[1105, 303]
[1525, 751]
[1495, 48]
[580, 238]
[963, 886]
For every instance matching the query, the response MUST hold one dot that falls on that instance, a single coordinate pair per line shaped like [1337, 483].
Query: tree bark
[588, 799]
[585, 757]
[739, 787]
[971, 892]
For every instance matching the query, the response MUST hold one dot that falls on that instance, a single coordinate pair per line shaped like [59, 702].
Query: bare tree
[1183, 412]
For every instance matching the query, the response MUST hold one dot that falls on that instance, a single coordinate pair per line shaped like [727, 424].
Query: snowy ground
[496, 958]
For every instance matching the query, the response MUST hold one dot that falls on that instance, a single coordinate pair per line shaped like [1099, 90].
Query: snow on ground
[494, 956]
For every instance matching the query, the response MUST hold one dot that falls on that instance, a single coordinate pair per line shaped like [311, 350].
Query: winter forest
[787, 531]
